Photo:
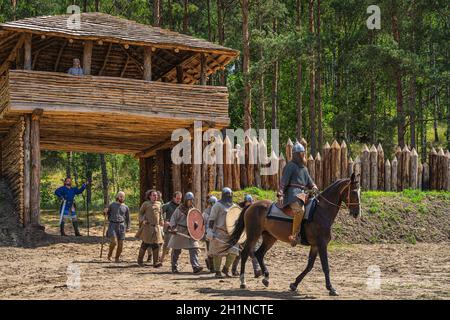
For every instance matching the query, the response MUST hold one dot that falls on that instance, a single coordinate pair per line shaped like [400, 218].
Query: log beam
[147, 63]
[87, 56]
[27, 51]
[35, 173]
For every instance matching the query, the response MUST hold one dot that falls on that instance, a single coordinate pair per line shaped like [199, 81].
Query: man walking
[180, 238]
[67, 210]
[168, 210]
[150, 217]
[118, 215]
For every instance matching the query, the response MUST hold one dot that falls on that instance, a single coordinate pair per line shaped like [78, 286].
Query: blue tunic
[294, 180]
[76, 71]
[68, 194]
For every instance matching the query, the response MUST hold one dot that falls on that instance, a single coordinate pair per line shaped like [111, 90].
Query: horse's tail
[238, 229]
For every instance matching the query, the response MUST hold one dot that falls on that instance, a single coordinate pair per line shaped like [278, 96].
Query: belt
[296, 185]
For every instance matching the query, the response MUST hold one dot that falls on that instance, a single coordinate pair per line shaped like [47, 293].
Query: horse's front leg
[311, 259]
[326, 269]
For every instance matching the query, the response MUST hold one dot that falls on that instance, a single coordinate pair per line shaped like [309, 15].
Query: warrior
[180, 238]
[67, 209]
[151, 221]
[168, 209]
[118, 215]
[76, 69]
[218, 235]
[295, 179]
[211, 201]
[248, 200]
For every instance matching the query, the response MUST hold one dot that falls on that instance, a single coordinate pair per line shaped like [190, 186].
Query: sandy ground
[420, 271]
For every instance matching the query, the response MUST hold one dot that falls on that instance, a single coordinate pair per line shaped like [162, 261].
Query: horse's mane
[334, 184]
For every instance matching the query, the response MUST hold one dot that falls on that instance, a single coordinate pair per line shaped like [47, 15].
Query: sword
[224, 242]
[63, 207]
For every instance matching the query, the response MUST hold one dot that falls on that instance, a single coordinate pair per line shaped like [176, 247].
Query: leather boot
[165, 252]
[155, 252]
[296, 224]
[75, 227]
[61, 229]
[149, 254]
[141, 255]
[119, 250]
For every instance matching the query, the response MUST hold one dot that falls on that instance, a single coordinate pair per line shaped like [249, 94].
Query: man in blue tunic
[295, 179]
[67, 194]
[76, 70]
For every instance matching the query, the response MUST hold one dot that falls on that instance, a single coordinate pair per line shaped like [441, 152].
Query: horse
[254, 221]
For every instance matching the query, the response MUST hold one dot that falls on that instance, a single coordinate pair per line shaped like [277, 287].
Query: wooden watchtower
[140, 84]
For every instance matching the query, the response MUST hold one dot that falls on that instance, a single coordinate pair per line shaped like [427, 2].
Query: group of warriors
[165, 227]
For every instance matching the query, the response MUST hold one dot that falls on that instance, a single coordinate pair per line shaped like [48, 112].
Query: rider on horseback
[294, 181]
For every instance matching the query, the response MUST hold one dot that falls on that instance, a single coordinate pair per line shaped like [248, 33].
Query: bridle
[348, 203]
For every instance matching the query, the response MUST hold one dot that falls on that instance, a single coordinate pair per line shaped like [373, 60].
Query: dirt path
[420, 271]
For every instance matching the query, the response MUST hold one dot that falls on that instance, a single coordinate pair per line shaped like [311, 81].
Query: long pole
[103, 237]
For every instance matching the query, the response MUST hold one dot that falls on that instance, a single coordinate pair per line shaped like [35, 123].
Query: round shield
[195, 224]
[232, 216]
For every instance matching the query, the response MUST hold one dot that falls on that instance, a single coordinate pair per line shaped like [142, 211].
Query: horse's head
[351, 196]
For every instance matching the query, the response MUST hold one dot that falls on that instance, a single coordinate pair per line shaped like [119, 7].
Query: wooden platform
[106, 114]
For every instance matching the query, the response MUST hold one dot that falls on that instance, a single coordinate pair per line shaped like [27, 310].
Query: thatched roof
[101, 26]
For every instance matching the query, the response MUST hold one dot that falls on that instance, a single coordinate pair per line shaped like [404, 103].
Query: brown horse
[318, 232]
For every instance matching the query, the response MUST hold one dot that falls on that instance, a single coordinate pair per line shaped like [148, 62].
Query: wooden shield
[232, 216]
[195, 224]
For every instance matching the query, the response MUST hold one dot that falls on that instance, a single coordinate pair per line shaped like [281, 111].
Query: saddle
[277, 213]
[287, 209]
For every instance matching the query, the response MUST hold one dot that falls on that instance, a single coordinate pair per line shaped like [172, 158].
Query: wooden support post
[289, 146]
[394, 174]
[335, 161]
[387, 175]
[365, 168]
[398, 155]
[167, 190]
[27, 171]
[180, 74]
[27, 52]
[326, 162]
[344, 160]
[373, 156]
[406, 163]
[311, 165]
[319, 171]
[87, 56]
[202, 69]
[425, 176]
[159, 170]
[257, 167]
[35, 174]
[381, 171]
[414, 169]
[357, 168]
[142, 179]
[147, 63]
[350, 167]
[419, 176]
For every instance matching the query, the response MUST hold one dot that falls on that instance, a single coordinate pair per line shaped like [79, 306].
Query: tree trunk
[246, 64]
[85, 5]
[170, 14]
[412, 110]
[221, 36]
[262, 106]
[276, 66]
[208, 11]
[398, 81]
[312, 112]
[156, 13]
[97, 5]
[105, 181]
[319, 82]
[299, 79]
[69, 164]
[186, 16]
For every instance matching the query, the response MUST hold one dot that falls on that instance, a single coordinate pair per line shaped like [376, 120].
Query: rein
[347, 204]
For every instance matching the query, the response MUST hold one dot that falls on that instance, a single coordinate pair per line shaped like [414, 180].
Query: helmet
[212, 200]
[248, 198]
[298, 147]
[227, 191]
[189, 196]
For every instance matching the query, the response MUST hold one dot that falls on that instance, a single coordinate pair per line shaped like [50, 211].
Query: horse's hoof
[243, 286]
[265, 282]
[293, 287]
[258, 273]
[333, 292]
